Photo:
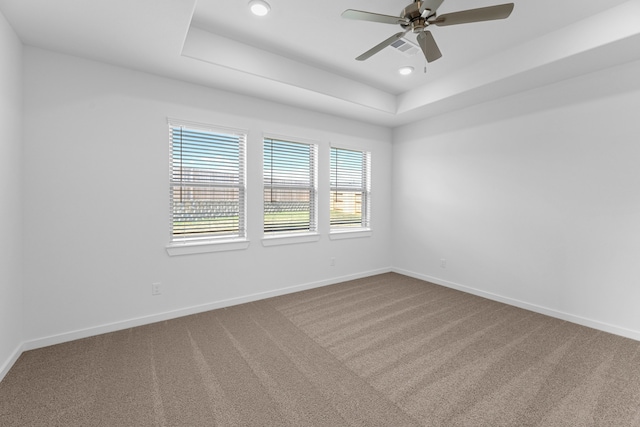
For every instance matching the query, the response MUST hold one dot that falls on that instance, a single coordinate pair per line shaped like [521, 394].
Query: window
[350, 203]
[289, 187]
[207, 183]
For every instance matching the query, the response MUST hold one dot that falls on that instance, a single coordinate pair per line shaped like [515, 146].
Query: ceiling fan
[418, 16]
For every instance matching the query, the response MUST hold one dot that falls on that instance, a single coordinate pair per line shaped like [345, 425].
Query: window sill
[290, 239]
[190, 248]
[350, 234]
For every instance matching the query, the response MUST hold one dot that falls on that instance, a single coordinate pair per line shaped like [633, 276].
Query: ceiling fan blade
[368, 54]
[373, 17]
[490, 13]
[428, 45]
[432, 5]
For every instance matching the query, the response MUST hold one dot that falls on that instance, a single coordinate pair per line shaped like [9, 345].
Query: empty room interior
[340, 213]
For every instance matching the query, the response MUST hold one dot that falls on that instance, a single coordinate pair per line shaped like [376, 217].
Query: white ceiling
[303, 53]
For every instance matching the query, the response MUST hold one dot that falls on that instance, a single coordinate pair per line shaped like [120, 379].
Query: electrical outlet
[332, 262]
[443, 263]
[155, 289]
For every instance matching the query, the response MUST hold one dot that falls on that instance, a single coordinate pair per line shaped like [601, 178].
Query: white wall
[97, 200]
[10, 196]
[533, 199]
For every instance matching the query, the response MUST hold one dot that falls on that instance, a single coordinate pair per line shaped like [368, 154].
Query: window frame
[275, 237]
[209, 242]
[349, 231]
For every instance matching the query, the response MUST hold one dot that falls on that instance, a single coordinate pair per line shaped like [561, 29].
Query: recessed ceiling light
[405, 71]
[259, 7]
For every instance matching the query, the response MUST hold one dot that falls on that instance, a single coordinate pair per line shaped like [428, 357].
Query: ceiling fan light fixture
[259, 7]
[405, 71]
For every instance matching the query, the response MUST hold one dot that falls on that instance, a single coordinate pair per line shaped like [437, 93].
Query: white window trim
[215, 244]
[290, 239]
[194, 247]
[355, 233]
[285, 238]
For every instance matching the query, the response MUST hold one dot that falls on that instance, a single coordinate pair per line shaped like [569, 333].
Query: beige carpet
[383, 351]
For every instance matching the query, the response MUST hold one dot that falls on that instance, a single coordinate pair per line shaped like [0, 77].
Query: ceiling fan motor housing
[415, 21]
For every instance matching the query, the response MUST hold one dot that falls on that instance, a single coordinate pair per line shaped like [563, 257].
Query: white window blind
[350, 204]
[289, 186]
[207, 183]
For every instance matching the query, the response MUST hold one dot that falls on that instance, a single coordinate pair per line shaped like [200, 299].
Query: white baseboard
[613, 329]
[6, 366]
[145, 320]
